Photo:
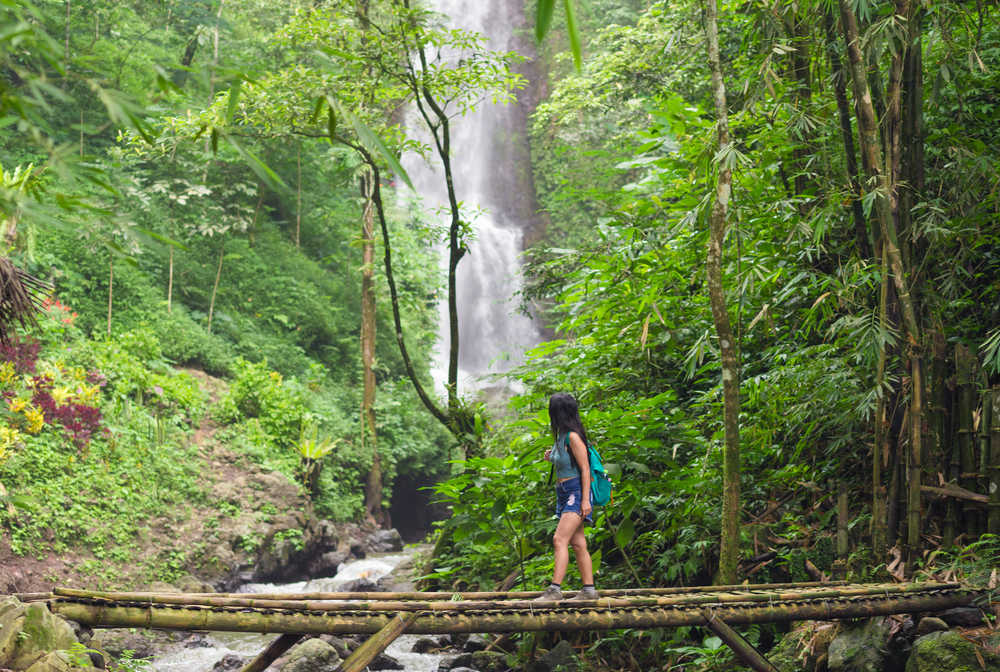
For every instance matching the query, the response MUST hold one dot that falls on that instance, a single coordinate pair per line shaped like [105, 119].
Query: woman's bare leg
[579, 543]
[569, 524]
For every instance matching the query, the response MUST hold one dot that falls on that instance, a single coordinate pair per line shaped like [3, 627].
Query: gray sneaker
[588, 593]
[551, 594]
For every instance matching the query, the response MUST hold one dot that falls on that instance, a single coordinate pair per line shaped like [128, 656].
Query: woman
[569, 454]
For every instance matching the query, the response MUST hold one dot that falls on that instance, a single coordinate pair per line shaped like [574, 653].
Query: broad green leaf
[574, 35]
[372, 142]
[234, 99]
[543, 18]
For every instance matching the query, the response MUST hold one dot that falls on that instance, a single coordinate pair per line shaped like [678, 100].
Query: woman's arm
[582, 456]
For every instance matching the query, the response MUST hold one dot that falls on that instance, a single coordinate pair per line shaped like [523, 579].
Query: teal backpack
[601, 488]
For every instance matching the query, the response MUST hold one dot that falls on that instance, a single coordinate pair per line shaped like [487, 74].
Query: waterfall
[492, 172]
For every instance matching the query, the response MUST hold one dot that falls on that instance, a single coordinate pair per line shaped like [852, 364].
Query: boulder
[426, 645]
[385, 662]
[114, 641]
[386, 541]
[230, 663]
[192, 584]
[327, 564]
[929, 624]
[312, 655]
[948, 651]
[361, 585]
[962, 617]
[561, 657]
[29, 632]
[475, 643]
[163, 587]
[804, 649]
[59, 661]
[455, 662]
[860, 647]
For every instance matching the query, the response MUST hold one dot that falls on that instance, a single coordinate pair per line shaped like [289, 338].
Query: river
[217, 645]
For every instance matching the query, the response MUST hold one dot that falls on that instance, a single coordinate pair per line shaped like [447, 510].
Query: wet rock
[948, 651]
[339, 645]
[929, 624]
[229, 663]
[312, 655]
[494, 661]
[361, 585]
[327, 564]
[29, 632]
[358, 550]
[962, 617]
[561, 657]
[116, 641]
[860, 647]
[385, 662]
[475, 643]
[426, 645]
[455, 662]
[386, 541]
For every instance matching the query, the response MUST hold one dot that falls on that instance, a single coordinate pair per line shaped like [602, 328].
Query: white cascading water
[492, 173]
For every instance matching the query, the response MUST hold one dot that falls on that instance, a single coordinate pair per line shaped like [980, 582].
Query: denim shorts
[568, 494]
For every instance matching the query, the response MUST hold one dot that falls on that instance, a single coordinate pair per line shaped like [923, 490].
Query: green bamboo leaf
[372, 141]
[260, 169]
[234, 99]
[574, 34]
[625, 533]
[543, 18]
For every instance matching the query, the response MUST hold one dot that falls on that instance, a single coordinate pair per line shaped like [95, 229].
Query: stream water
[215, 646]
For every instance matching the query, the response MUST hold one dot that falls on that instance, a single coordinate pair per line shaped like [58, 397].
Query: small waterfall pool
[217, 645]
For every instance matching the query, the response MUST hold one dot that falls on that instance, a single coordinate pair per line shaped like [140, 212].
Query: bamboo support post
[741, 647]
[272, 653]
[720, 597]
[198, 598]
[964, 363]
[840, 565]
[994, 467]
[532, 618]
[377, 643]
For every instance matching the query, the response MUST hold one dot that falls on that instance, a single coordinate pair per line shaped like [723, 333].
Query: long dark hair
[564, 416]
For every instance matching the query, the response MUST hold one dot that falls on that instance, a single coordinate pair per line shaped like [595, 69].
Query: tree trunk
[215, 288]
[298, 194]
[111, 289]
[373, 487]
[881, 506]
[170, 279]
[729, 543]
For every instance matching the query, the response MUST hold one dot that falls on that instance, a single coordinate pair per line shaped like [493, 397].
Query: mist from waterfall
[492, 176]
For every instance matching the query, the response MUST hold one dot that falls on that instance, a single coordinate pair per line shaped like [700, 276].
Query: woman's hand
[548, 455]
[585, 507]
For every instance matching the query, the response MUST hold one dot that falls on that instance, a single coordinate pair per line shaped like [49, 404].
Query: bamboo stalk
[741, 647]
[181, 599]
[535, 618]
[32, 597]
[994, 468]
[443, 595]
[956, 492]
[272, 653]
[377, 643]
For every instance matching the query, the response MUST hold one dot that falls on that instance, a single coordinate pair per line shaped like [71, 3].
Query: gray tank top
[563, 460]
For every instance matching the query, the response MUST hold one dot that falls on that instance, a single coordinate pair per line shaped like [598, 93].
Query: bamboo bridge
[386, 615]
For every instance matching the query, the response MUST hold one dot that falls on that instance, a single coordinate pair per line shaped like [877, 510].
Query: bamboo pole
[957, 493]
[964, 363]
[444, 595]
[994, 468]
[741, 647]
[271, 653]
[377, 643]
[533, 618]
[180, 599]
